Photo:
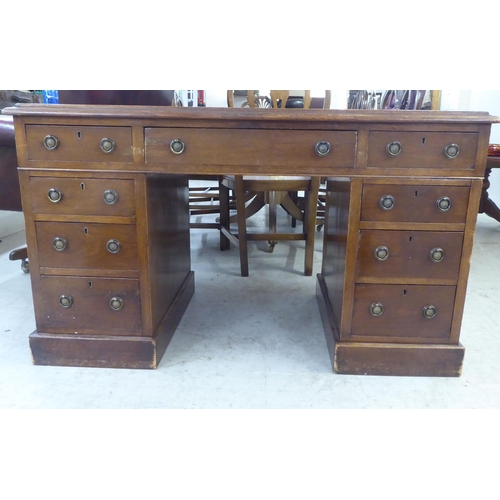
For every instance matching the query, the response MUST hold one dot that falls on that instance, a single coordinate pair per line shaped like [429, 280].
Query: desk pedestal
[109, 289]
[392, 288]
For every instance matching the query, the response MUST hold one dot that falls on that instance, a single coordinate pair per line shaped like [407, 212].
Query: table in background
[487, 205]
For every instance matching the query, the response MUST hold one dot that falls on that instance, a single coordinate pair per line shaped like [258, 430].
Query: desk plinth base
[112, 351]
[356, 358]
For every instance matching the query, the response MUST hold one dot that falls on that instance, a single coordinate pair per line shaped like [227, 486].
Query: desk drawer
[87, 246]
[88, 308]
[71, 196]
[409, 254]
[284, 148]
[422, 150]
[82, 144]
[414, 203]
[400, 310]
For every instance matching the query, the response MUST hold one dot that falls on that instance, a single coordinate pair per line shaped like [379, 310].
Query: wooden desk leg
[487, 206]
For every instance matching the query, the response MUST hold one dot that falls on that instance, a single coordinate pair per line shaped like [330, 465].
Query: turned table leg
[486, 205]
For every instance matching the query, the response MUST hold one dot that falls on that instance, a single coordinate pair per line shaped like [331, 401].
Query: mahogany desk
[105, 196]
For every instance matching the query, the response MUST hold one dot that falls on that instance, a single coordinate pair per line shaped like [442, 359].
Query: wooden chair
[203, 201]
[252, 193]
[277, 97]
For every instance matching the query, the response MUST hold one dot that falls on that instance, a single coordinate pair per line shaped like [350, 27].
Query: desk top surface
[277, 115]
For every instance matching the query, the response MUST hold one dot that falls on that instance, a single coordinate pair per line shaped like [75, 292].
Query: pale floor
[253, 342]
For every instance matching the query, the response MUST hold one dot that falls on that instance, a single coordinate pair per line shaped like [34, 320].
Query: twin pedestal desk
[105, 197]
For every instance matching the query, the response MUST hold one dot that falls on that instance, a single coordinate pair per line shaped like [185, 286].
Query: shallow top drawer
[280, 148]
[79, 143]
[441, 150]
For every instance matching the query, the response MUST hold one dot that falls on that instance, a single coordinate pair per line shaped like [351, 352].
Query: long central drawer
[285, 148]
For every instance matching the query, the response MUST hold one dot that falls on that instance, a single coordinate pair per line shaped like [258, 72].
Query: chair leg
[242, 224]
[309, 224]
[224, 215]
[272, 217]
[294, 197]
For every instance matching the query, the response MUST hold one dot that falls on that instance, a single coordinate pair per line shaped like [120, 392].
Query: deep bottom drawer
[402, 311]
[107, 306]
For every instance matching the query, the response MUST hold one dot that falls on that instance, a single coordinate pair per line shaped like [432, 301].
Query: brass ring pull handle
[55, 195]
[60, 244]
[51, 142]
[381, 253]
[429, 311]
[387, 202]
[107, 145]
[110, 196]
[376, 309]
[113, 246]
[323, 148]
[394, 148]
[66, 301]
[177, 146]
[116, 303]
[443, 204]
[436, 255]
[451, 151]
